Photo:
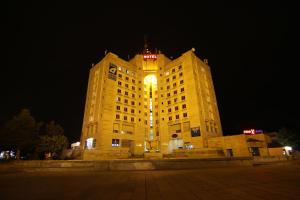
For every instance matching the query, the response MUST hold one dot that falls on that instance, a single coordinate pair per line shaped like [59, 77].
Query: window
[161, 88]
[183, 98]
[132, 110]
[176, 108]
[125, 109]
[184, 114]
[118, 108]
[174, 85]
[167, 73]
[168, 94]
[167, 80]
[133, 81]
[119, 91]
[125, 118]
[183, 106]
[132, 103]
[179, 67]
[181, 89]
[118, 99]
[115, 142]
[168, 87]
[173, 70]
[126, 93]
[146, 122]
[161, 95]
[169, 110]
[181, 81]
[127, 79]
[126, 85]
[120, 75]
[180, 74]
[170, 118]
[169, 102]
[177, 116]
[133, 95]
[162, 111]
[163, 119]
[119, 83]
[125, 100]
[132, 119]
[175, 92]
[133, 88]
[175, 100]
[117, 116]
[174, 77]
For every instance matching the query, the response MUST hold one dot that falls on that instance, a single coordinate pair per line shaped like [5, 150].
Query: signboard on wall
[150, 56]
[112, 72]
[195, 132]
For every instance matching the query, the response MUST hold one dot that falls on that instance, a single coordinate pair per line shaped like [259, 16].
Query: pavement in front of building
[243, 183]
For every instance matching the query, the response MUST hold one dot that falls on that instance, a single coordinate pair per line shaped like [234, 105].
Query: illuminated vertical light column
[151, 84]
[151, 136]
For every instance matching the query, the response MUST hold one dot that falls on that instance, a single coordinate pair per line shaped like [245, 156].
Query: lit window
[127, 71]
[120, 68]
[167, 73]
[90, 143]
[115, 142]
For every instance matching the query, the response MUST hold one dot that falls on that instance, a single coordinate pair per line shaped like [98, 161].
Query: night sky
[49, 50]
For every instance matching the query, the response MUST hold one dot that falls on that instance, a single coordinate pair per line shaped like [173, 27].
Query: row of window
[167, 73]
[174, 79]
[125, 118]
[126, 101]
[126, 71]
[177, 117]
[125, 109]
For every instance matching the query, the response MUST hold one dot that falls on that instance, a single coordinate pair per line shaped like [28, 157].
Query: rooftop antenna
[105, 52]
[146, 50]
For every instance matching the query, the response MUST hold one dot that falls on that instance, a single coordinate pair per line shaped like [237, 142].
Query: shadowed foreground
[263, 182]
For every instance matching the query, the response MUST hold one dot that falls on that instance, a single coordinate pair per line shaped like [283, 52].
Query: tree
[52, 140]
[20, 133]
[53, 144]
[289, 137]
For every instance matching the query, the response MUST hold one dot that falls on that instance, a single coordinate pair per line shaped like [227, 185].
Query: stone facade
[149, 105]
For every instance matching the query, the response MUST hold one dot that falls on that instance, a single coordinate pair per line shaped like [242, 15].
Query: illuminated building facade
[149, 105]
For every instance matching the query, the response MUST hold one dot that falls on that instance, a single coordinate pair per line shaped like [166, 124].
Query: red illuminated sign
[252, 131]
[150, 56]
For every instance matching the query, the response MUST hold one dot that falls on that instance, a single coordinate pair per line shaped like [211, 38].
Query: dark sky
[50, 49]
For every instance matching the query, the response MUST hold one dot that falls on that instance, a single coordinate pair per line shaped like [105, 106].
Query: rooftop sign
[252, 131]
[150, 56]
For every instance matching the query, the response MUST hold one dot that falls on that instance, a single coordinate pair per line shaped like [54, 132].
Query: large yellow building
[149, 106]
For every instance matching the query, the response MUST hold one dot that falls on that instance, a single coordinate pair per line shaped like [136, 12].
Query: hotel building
[149, 105]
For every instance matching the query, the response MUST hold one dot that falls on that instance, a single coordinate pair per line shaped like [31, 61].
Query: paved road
[263, 182]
